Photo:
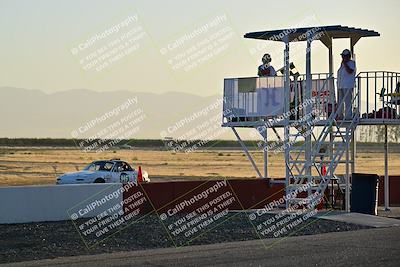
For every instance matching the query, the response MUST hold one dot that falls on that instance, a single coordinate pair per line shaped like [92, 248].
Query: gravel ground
[22, 242]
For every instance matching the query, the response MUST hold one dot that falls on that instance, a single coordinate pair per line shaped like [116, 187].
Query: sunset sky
[38, 37]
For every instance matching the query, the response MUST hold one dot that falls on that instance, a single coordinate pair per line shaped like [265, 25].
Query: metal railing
[379, 94]
[254, 98]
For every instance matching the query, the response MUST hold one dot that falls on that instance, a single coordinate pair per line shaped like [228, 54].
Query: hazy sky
[38, 39]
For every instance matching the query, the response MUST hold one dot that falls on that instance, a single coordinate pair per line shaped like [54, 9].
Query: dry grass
[28, 166]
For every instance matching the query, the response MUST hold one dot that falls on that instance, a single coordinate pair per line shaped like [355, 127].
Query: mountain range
[34, 113]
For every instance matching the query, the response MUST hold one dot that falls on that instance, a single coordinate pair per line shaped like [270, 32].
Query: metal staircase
[305, 182]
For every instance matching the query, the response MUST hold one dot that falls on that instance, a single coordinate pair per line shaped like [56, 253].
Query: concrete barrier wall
[51, 203]
[26, 204]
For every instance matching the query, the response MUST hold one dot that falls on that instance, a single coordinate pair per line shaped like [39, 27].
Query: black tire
[99, 181]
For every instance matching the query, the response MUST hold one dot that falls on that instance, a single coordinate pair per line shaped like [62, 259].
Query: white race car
[104, 171]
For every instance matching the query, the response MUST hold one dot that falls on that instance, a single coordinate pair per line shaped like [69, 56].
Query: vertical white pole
[386, 171]
[352, 145]
[287, 107]
[332, 96]
[331, 82]
[287, 75]
[353, 137]
[308, 145]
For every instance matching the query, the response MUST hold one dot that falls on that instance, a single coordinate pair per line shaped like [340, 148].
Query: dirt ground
[28, 166]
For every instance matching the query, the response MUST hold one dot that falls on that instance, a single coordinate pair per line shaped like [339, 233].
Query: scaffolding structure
[316, 139]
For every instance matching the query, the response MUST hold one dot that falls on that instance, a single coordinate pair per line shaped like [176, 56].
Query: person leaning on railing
[266, 69]
[346, 78]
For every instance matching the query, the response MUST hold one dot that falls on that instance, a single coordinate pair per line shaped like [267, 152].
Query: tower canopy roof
[318, 32]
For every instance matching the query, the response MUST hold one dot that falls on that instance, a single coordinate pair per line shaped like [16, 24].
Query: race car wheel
[99, 181]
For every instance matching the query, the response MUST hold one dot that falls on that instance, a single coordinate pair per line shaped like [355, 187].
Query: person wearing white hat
[266, 69]
[346, 78]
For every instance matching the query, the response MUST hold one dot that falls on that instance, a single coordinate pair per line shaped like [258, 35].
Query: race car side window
[99, 166]
[126, 167]
[91, 167]
[118, 167]
[108, 166]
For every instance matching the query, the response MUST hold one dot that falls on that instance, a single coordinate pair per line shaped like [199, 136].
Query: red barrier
[394, 190]
[247, 194]
[255, 194]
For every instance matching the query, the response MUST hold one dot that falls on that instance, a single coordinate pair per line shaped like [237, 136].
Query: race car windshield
[100, 166]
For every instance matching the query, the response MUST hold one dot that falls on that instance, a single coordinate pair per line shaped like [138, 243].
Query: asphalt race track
[369, 247]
